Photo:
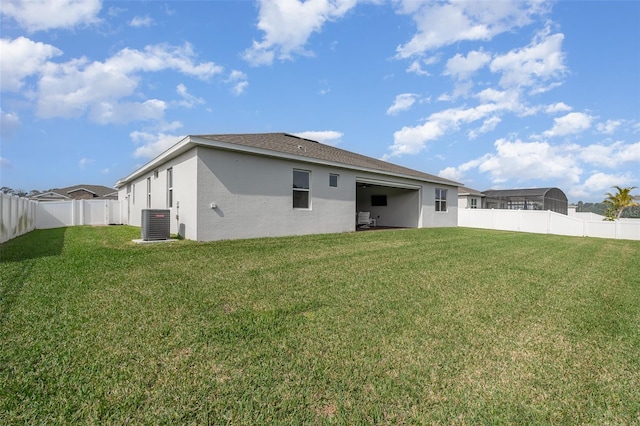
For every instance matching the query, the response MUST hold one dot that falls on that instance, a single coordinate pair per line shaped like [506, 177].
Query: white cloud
[9, 123]
[188, 100]
[84, 162]
[572, 123]
[412, 140]
[327, 137]
[532, 66]
[522, 161]
[462, 67]
[611, 156]
[287, 25]
[5, 164]
[600, 183]
[238, 81]
[557, 107]
[444, 23]
[141, 21]
[153, 144]
[518, 161]
[127, 112]
[487, 126]
[37, 15]
[22, 58]
[416, 66]
[609, 127]
[402, 102]
[72, 88]
[451, 173]
[115, 11]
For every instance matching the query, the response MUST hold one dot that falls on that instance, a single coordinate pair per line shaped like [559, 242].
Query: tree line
[619, 204]
[18, 192]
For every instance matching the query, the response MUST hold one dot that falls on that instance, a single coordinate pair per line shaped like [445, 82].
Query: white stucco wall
[430, 218]
[464, 201]
[183, 211]
[253, 198]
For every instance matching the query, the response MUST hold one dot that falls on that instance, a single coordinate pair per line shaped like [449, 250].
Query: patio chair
[364, 220]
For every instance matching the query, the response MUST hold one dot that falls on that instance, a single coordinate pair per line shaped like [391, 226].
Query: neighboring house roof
[463, 190]
[98, 191]
[284, 145]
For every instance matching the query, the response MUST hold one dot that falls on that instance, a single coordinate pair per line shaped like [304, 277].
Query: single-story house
[77, 192]
[553, 199]
[469, 198]
[235, 186]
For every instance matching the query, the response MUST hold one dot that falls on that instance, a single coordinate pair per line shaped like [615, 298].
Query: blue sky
[493, 94]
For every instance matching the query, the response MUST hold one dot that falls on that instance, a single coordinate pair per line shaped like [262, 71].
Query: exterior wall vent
[155, 224]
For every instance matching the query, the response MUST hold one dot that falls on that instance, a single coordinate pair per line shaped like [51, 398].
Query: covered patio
[390, 205]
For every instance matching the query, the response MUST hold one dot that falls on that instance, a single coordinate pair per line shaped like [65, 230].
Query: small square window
[333, 180]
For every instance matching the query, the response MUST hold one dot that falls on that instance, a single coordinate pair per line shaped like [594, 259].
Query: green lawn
[430, 326]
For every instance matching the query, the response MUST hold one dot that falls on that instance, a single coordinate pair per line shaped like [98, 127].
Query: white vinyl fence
[18, 216]
[21, 215]
[548, 222]
[56, 214]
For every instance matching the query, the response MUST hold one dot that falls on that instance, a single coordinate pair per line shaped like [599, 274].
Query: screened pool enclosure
[526, 199]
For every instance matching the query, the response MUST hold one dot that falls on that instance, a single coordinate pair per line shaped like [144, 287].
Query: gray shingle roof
[100, 191]
[463, 190]
[294, 145]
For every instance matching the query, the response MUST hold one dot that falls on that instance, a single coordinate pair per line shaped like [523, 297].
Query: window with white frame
[441, 200]
[134, 193]
[148, 192]
[301, 189]
[333, 180]
[474, 203]
[170, 187]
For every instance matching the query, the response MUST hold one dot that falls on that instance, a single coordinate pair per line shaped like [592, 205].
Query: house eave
[190, 142]
[183, 145]
[309, 160]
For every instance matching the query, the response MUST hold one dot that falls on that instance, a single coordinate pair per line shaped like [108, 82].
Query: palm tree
[620, 201]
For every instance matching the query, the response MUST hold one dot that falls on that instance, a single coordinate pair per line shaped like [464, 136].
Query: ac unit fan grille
[155, 224]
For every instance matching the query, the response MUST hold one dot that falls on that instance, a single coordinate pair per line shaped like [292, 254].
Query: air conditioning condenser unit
[155, 224]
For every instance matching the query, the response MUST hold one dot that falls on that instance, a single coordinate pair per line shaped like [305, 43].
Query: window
[301, 198]
[441, 200]
[333, 180]
[170, 187]
[474, 203]
[148, 192]
[134, 193]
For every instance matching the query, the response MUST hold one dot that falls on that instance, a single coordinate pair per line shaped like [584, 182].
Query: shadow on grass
[17, 258]
[33, 245]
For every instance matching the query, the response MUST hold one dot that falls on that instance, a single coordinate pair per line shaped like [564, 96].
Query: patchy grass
[436, 326]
